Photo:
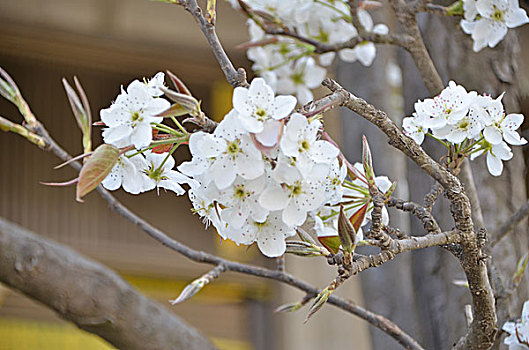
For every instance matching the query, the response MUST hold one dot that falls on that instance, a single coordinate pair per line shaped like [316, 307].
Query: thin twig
[510, 223]
[233, 76]
[431, 197]
[428, 221]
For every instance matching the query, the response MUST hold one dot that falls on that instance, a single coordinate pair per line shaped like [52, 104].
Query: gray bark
[89, 294]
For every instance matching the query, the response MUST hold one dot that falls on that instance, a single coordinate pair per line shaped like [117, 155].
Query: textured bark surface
[88, 294]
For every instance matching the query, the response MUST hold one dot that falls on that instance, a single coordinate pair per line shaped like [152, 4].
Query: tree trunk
[89, 294]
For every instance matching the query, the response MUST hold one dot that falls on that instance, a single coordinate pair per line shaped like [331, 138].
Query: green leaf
[289, 307]
[390, 191]
[319, 301]
[189, 103]
[302, 249]
[81, 111]
[346, 231]
[190, 290]
[8, 88]
[456, 9]
[211, 14]
[176, 110]
[367, 162]
[96, 168]
[520, 269]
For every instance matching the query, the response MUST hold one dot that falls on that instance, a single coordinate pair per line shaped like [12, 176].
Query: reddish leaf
[161, 148]
[178, 84]
[96, 168]
[357, 218]
[332, 243]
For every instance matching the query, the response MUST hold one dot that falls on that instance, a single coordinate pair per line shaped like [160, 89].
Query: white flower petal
[492, 134]
[283, 106]
[141, 135]
[494, 165]
[271, 243]
[293, 215]
[273, 198]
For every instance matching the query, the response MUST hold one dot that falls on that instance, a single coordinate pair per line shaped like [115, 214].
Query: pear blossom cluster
[129, 122]
[487, 21]
[518, 332]
[290, 66]
[263, 171]
[474, 124]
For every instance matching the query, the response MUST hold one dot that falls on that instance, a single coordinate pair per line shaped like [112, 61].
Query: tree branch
[483, 330]
[425, 217]
[431, 197]
[89, 294]
[199, 256]
[233, 76]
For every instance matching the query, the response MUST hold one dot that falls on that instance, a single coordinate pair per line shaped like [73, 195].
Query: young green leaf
[81, 111]
[520, 269]
[189, 103]
[96, 168]
[346, 231]
[8, 88]
[211, 14]
[176, 110]
[302, 249]
[289, 307]
[367, 162]
[190, 290]
[319, 301]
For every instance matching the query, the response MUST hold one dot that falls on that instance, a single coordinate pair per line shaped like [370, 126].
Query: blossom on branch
[129, 118]
[518, 331]
[487, 21]
[474, 124]
[251, 194]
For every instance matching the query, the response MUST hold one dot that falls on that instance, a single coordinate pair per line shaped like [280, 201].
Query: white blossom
[518, 331]
[487, 21]
[496, 154]
[241, 200]
[257, 104]
[130, 116]
[127, 173]
[299, 78]
[449, 107]
[160, 173]
[300, 142]
[503, 126]
[414, 128]
[292, 193]
[155, 84]
[270, 235]
[365, 51]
